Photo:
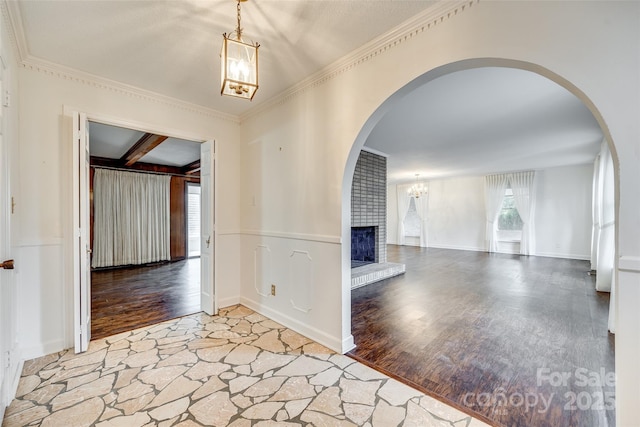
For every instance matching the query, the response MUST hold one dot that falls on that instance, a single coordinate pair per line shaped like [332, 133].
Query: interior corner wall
[44, 201]
[563, 220]
[392, 214]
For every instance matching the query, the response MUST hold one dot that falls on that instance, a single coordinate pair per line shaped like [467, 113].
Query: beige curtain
[131, 218]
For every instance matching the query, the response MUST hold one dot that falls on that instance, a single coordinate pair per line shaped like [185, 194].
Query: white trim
[629, 263]
[28, 353]
[106, 119]
[228, 302]
[431, 17]
[35, 242]
[294, 236]
[581, 257]
[458, 248]
[331, 342]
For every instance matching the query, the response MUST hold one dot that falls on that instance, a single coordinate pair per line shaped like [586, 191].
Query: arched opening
[393, 101]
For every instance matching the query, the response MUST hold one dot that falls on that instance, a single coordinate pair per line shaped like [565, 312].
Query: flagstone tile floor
[236, 369]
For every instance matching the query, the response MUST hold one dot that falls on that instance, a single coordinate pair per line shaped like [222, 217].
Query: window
[193, 219]
[412, 221]
[509, 221]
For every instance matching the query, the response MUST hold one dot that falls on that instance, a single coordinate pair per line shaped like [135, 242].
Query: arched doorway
[391, 102]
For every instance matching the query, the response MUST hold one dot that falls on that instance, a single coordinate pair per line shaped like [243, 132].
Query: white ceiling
[483, 121]
[173, 47]
[113, 142]
[470, 122]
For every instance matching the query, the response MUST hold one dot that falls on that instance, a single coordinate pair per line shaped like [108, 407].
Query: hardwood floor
[127, 298]
[518, 341]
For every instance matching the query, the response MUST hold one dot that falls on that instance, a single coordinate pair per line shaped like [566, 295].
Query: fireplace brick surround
[369, 199]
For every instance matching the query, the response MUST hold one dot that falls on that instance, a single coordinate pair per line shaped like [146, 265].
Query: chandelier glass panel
[239, 65]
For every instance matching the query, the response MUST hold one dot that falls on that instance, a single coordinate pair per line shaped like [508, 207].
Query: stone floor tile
[357, 413]
[327, 402]
[295, 407]
[141, 359]
[294, 388]
[397, 393]
[138, 419]
[302, 366]
[211, 386]
[262, 411]
[364, 373]
[265, 387]
[270, 341]
[327, 378]
[318, 419]
[206, 369]
[363, 392]
[214, 410]
[293, 339]
[267, 361]
[136, 389]
[43, 395]
[241, 383]
[178, 388]
[136, 404]
[215, 354]
[170, 410]
[24, 417]
[28, 384]
[386, 415]
[242, 355]
[95, 388]
[82, 414]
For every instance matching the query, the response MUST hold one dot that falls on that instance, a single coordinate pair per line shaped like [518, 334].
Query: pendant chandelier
[239, 65]
[417, 189]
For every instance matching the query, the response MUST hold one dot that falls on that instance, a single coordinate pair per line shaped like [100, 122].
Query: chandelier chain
[238, 28]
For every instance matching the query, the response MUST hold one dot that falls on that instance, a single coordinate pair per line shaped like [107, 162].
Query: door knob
[7, 265]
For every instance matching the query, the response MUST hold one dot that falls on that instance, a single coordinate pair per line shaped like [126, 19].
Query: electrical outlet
[273, 290]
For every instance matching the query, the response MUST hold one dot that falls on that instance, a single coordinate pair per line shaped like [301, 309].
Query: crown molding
[65, 73]
[420, 23]
[12, 15]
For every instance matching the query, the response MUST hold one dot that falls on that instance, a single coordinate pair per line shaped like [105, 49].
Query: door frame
[68, 112]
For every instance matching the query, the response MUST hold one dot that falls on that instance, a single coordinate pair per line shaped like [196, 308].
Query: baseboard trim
[43, 349]
[316, 335]
[565, 256]
[228, 302]
[458, 248]
[629, 263]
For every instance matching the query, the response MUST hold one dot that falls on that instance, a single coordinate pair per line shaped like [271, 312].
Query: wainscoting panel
[262, 270]
[301, 267]
[307, 276]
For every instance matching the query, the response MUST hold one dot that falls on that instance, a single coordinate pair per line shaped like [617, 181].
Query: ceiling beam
[192, 168]
[145, 144]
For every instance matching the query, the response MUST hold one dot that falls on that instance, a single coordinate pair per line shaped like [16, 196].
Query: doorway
[163, 283]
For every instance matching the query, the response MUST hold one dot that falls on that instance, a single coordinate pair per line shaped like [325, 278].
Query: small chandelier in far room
[239, 65]
[417, 189]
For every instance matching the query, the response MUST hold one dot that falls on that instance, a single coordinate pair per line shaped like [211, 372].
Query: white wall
[563, 213]
[43, 198]
[316, 126]
[456, 218]
[562, 216]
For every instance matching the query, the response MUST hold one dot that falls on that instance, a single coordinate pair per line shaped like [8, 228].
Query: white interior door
[81, 247]
[207, 228]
